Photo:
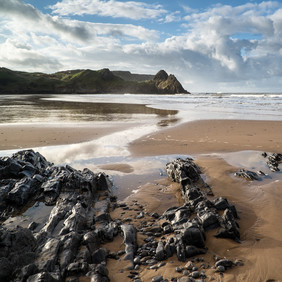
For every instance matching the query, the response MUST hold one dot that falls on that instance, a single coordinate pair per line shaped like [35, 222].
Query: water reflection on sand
[42, 109]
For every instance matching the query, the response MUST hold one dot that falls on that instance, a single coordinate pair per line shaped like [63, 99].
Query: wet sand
[210, 136]
[258, 203]
[29, 136]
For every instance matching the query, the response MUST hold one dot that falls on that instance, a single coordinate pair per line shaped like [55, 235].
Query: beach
[132, 139]
[258, 203]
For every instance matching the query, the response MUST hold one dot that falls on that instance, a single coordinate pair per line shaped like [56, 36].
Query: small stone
[239, 262]
[136, 260]
[189, 265]
[195, 274]
[179, 269]
[161, 264]
[158, 278]
[220, 268]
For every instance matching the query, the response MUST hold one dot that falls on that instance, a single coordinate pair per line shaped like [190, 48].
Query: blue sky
[228, 46]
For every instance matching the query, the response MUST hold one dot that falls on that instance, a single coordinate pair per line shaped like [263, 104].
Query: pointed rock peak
[161, 75]
[106, 74]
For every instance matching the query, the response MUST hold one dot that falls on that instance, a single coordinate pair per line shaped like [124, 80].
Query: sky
[210, 46]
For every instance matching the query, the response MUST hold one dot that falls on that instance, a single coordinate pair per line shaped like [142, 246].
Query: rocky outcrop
[167, 84]
[68, 242]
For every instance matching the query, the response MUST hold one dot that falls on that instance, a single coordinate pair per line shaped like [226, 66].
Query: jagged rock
[230, 227]
[161, 75]
[221, 203]
[273, 161]
[247, 174]
[42, 277]
[183, 171]
[9, 168]
[69, 240]
[192, 251]
[193, 236]
[224, 262]
[160, 252]
[209, 220]
[6, 269]
[130, 241]
[91, 240]
[21, 192]
[99, 255]
[49, 255]
[69, 247]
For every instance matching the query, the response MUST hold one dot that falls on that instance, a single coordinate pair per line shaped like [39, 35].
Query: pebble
[179, 269]
[161, 264]
[195, 274]
[158, 278]
[220, 268]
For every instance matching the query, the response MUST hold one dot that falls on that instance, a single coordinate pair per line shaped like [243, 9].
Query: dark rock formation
[68, 242]
[272, 162]
[166, 84]
[195, 192]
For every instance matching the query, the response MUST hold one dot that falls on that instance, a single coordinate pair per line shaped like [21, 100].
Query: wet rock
[192, 251]
[230, 227]
[247, 174]
[6, 269]
[185, 279]
[158, 278]
[224, 262]
[220, 268]
[193, 236]
[99, 255]
[273, 161]
[195, 274]
[21, 192]
[183, 171]
[209, 220]
[160, 252]
[130, 241]
[43, 277]
[48, 255]
[221, 203]
[77, 268]
[69, 240]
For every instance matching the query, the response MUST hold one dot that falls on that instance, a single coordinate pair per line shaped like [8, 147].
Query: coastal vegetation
[87, 81]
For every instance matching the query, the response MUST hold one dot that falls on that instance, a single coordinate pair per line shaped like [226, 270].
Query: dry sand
[258, 203]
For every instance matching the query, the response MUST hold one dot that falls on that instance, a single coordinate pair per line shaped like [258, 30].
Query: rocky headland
[88, 81]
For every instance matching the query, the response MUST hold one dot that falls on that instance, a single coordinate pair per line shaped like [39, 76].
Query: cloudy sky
[209, 45]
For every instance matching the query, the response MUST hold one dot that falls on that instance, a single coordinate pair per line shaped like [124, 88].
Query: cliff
[87, 81]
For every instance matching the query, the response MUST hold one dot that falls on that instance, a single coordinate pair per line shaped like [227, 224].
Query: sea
[144, 113]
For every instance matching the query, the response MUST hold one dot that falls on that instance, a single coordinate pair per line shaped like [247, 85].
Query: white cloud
[116, 9]
[219, 48]
[15, 54]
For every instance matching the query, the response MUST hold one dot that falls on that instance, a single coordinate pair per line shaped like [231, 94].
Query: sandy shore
[258, 203]
[210, 136]
[28, 136]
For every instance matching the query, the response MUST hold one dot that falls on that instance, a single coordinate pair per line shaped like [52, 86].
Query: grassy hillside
[81, 82]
